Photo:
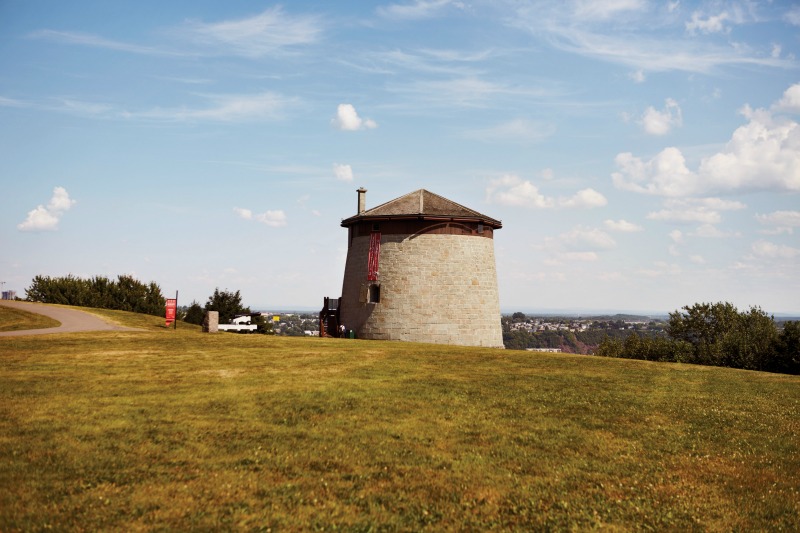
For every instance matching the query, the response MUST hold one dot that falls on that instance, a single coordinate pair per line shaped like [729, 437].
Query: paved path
[71, 320]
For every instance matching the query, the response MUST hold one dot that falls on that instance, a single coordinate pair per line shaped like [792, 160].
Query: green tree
[704, 326]
[721, 335]
[126, 293]
[263, 325]
[787, 350]
[228, 304]
[194, 314]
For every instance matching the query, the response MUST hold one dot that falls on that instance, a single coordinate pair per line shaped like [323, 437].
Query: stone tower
[421, 268]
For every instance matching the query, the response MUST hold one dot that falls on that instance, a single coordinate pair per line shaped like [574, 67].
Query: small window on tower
[376, 227]
[374, 294]
[480, 227]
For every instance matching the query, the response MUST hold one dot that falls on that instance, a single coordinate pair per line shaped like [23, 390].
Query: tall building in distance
[421, 268]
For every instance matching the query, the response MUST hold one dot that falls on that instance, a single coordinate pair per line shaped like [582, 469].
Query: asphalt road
[71, 320]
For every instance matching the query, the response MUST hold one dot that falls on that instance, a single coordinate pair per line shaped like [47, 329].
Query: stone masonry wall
[433, 288]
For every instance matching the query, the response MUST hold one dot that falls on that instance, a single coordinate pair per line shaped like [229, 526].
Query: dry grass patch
[12, 319]
[180, 430]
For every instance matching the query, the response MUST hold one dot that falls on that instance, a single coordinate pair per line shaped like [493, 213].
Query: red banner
[374, 254]
[172, 309]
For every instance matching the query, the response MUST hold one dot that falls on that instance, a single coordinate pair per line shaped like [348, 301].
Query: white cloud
[343, 172]
[769, 250]
[762, 155]
[622, 226]
[275, 219]
[256, 36]
[701, 210]
[793, 16]
[46, 218]
[711, 24]
[687, 215]
[790, 102]
[583, 239]
[776, 50]
[579, 244]
[676, 236]
[697, 259]
[782, 221]
[243, 213]
[418, 9]
[708, 231]
[513, 191]
[347, 119]
[657, 122]
[666, 174]
[584, 198]
[638, 76]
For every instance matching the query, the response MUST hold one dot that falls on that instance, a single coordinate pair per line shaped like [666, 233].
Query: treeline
[580, 342]
[716, 335]
[125, 293]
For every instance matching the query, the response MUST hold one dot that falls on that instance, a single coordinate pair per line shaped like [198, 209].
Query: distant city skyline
[641, 155]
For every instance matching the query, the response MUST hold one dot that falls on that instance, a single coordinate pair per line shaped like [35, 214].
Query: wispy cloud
[86, 39]
[469, 91]
[691, 210]
[516, 131]
[218, 108]
[592, 29]
[268, 32]
[418, 9]
[579, 244]
[224, 108]
[46, 218]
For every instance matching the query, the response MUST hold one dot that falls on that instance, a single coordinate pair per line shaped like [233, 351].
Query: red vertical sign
[374, 254]
[172, 308]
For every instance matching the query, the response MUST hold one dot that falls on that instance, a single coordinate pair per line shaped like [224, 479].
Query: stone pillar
[211, 322]
[362, 200]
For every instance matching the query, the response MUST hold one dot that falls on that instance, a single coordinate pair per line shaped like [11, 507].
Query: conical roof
[424, 205]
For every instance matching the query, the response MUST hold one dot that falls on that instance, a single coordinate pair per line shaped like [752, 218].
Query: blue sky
[642, 155]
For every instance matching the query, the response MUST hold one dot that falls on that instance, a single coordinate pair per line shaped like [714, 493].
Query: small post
[175, 327]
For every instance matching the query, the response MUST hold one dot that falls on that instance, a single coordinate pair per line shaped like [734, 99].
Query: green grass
[12, 319]
[165, 430]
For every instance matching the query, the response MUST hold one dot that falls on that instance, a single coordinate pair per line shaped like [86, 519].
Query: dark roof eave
[496, 224]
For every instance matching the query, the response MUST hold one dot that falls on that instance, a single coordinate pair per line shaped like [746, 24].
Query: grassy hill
[167, 429]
